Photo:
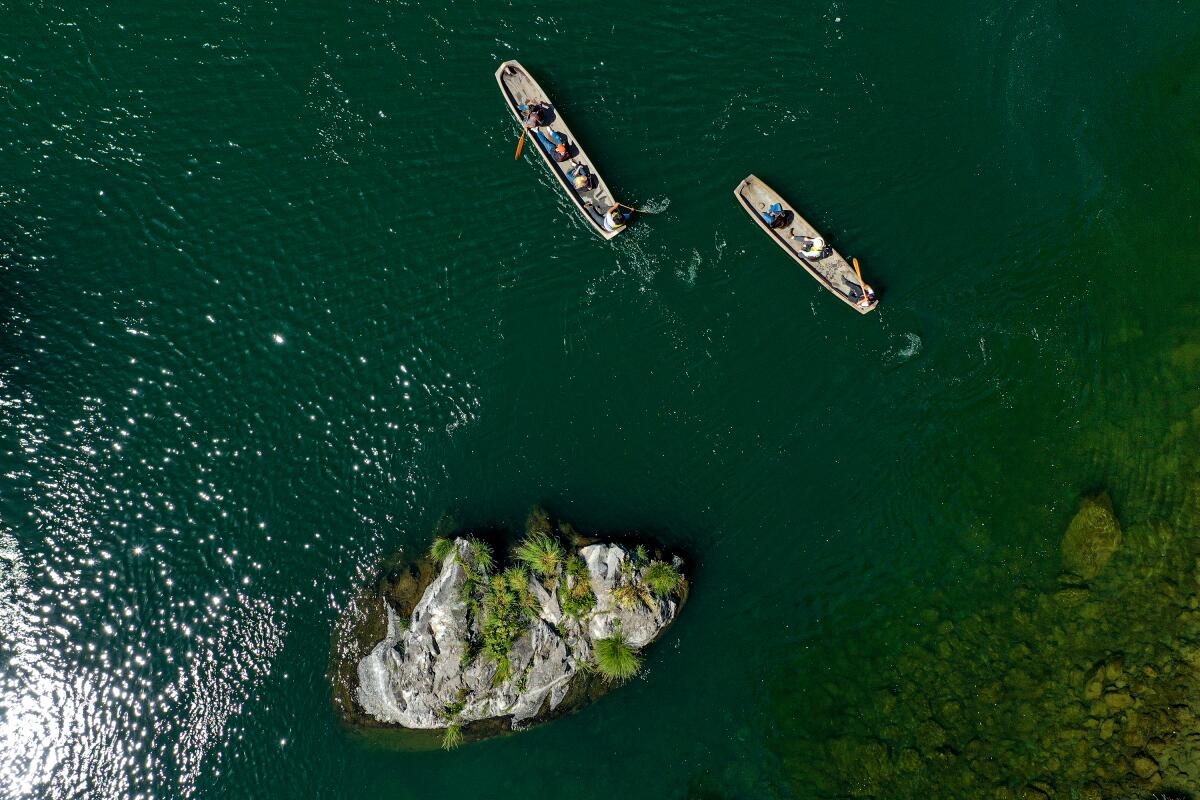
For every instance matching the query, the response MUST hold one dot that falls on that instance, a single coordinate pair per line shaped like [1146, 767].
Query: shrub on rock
[616, 659]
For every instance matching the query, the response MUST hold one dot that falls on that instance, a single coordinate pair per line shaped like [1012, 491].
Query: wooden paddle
[521, 143]
[861, 282]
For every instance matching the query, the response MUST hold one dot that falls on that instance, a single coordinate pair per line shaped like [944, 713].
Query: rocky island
[458, 642]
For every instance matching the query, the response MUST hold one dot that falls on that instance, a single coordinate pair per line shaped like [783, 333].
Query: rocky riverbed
[459, 644]
[1076, 677]
[1087, 686]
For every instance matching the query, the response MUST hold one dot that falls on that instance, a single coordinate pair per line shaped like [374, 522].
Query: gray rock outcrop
[427, 673]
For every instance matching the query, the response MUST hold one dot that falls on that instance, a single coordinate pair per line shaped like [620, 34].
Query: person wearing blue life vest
[775, 216]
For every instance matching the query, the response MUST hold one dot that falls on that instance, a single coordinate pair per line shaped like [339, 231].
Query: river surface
[276, 297]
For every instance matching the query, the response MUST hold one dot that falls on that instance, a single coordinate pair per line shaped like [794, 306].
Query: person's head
[581, 180]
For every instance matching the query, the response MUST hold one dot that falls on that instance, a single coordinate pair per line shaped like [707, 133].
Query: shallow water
[277, 297]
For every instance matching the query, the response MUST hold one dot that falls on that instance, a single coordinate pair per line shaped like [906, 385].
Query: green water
[276, 297]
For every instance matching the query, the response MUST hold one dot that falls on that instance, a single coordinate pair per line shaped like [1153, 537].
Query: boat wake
[688, 272]
[655, 205]
[907, 349]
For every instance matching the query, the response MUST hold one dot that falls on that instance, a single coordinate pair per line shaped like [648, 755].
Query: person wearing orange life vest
[555, 144]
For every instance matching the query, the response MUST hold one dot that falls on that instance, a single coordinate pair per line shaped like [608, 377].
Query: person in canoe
[775, 216]
[581, 177]
[555, 144]
[811, 246]
[531, 115]
[868, 296]
[615, 218]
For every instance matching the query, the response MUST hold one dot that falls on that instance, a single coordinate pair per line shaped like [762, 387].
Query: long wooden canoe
[829, 268]
[519, 88]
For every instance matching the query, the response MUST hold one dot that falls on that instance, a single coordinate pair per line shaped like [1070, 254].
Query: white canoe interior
[520, 89]
[828, 267]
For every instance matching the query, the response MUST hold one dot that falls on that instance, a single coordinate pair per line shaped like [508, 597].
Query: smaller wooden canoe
[520, 89]
[828, 267]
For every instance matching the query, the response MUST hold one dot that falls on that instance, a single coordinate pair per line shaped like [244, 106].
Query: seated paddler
[615, 218]
[868, 296]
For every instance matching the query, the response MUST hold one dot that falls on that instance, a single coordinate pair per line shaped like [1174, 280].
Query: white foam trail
[655, 205]
[906, 352]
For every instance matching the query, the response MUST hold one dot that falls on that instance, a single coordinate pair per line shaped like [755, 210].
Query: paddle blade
[521, 144]
[866, 290]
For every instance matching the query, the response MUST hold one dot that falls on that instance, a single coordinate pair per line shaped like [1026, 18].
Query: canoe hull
[519, 88]
[831, 270]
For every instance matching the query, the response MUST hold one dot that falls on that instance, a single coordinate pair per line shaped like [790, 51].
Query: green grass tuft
[616, 659]
[452, 737]
[441, 548]
[579, 599]
[663, 579]
[505, 607]
[577, 567]
[542, 553]
[517, 579]
[481, 554]
[578, 607]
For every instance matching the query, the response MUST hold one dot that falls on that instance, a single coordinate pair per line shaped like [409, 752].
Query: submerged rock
[1092, 537]
[484, 643]
[1144, 766]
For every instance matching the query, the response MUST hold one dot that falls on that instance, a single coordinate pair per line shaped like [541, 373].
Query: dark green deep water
[276, 297]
